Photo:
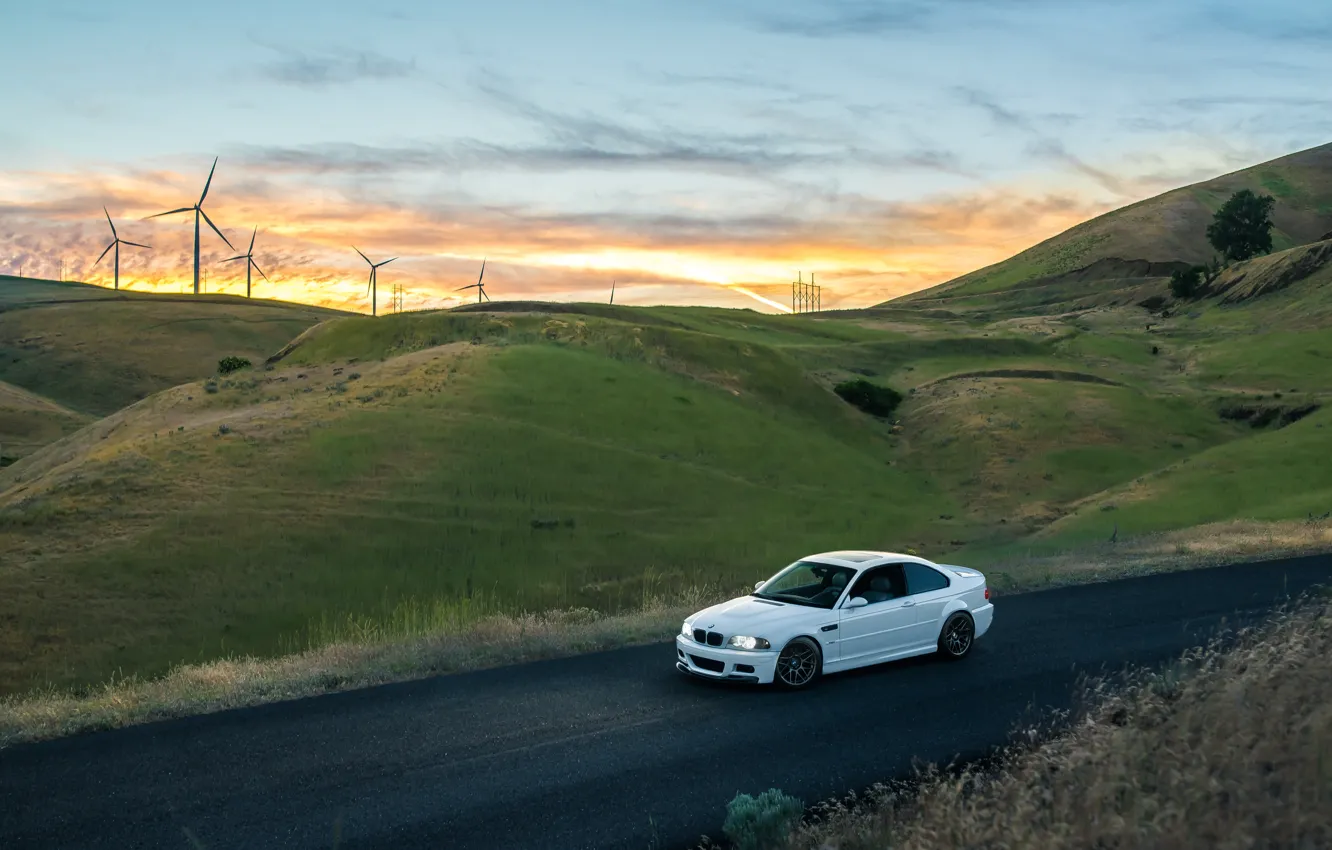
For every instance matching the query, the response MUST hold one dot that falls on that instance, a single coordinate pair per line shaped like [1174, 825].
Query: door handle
[907, 604]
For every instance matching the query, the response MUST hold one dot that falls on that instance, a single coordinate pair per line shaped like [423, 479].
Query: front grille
[707, 664]
[709, 638]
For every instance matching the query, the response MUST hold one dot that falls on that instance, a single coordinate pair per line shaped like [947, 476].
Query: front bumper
[735, 665]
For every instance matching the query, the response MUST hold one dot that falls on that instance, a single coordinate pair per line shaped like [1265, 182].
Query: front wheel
[800, 664]
[959, 633]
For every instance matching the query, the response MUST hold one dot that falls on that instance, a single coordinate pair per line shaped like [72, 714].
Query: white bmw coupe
[837, 611]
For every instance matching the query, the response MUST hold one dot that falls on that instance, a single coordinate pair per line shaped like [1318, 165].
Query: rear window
[923, 579]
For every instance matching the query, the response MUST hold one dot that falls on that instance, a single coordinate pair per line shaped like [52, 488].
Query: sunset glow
[881, 150]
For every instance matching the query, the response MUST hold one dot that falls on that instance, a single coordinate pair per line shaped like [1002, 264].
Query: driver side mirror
[759, 585]
[856, 602]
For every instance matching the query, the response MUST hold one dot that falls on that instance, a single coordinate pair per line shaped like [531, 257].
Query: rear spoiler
[964, 572]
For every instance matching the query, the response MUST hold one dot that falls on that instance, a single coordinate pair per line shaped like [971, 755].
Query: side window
[880, 584]
[923, 579]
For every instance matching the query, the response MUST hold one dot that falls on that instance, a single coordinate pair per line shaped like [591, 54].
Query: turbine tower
[116, 242]
[248, 256]
[197, 209]
[372, 289]
[478, 286]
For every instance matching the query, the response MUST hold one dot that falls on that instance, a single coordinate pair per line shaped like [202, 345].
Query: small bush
[210, 387]
[762, 822]
[230, 364]
[871, 398]
[1185, 282]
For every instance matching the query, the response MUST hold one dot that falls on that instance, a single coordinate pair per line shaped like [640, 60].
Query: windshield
[807, 583]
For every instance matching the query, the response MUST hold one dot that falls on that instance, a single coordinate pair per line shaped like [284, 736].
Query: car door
[929, 590]
[882, 628]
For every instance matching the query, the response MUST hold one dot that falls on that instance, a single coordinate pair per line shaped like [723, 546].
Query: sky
[690, 151]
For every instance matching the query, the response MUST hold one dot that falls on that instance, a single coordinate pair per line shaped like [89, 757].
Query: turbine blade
[209, 182]
[468, 286]
[108, 248]
[385, 263]
[172, 212]
[238, 257]
[483, 294]
[483, 271]
[110, 222]
[256, 268]
[215, 230]
[252, 235]
[363, 256]
[135, 244]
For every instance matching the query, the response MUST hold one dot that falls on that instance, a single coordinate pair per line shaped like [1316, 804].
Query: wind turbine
[116, 242]
[478, 286]
[612, 292]
[197, 209]
[248, 256]
[373, 289]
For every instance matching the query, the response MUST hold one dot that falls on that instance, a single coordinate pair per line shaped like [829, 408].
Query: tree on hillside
[1242, 228]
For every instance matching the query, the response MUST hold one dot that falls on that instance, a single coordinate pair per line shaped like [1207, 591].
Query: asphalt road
[611, 750]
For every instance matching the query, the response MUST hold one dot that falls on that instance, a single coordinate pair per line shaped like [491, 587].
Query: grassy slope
[29, 421]
[95, 351]
[671, 447]
[1169, 227]
[421, 478]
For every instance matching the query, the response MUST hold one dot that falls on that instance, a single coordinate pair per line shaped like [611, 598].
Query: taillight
[987, 593]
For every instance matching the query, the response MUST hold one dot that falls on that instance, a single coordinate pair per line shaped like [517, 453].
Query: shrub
[230, 364]
[210, 386]
[1184, 283]
[762, 822]
[871, 398]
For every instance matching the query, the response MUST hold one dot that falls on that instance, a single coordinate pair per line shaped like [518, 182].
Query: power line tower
[805, 297]
[397, 297]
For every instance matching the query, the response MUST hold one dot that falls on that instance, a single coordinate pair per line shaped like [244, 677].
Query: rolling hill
[92, 351]
[1124, 255]
[529, 456]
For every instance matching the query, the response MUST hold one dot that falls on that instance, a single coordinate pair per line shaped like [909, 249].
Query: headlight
[684, 629]
[745, 642]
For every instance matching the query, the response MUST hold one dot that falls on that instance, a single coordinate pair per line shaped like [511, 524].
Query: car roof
[862, 558]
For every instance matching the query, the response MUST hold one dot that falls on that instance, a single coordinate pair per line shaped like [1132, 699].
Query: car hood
[749, 615]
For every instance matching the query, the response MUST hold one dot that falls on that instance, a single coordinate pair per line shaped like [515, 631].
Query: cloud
[585, 141]
[861, 18]
[843, 18]
[334, 67]
[1042, 144]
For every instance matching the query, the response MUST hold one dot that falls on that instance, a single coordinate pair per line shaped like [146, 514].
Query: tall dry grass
[1229, 748]
[359, 653]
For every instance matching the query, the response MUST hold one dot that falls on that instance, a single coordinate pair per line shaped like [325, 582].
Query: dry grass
[1194, 548]
[236, 682]
[1226, 749]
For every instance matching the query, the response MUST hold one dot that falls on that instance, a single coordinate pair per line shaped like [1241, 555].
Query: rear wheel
[957, 636]
[800, 663]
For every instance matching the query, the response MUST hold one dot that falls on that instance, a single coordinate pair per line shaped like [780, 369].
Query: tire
[800, 664]
[957, 636]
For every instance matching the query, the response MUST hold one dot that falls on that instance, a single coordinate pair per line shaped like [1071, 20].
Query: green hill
[1124, 255]
[535, 456]
[93, 350]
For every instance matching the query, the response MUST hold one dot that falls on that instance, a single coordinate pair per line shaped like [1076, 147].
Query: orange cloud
[862, 251]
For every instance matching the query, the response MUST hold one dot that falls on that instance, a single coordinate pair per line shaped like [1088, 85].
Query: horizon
[689, 153]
